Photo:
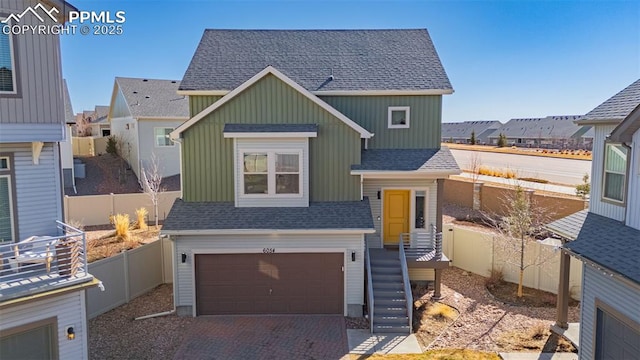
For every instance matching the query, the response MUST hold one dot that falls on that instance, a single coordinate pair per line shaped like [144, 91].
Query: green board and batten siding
[208, 157]
[371, 112]
[201, 102]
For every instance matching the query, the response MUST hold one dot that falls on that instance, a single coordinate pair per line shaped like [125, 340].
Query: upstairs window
[162, 137]
[615, 172]
[7, 230]
[398, 117]
[272, 173]
[7, 64]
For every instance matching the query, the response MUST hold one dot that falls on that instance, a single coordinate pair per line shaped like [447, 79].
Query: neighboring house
[556, 132]
[607, 236]
[93, 122]
[66, 146]
[143, 113]
[460, 133]
[43, 272]
[319, 150]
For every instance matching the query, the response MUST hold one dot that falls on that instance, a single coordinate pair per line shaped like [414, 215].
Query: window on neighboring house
[615, 172]
[6, 202]
[271, 173]
[398, 117]
[162, 137]
[7, 64]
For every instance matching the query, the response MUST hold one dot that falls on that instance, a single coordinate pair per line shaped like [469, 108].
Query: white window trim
[604, 177]
[390, 111]
[271, 173]
[155, 137]
[13, 65]
[8, 163]
[11, 204]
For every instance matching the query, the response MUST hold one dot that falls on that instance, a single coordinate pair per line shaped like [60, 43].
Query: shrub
[122, 225]
[502, 140]
[440, 311]
[584, 189]
[141, 215]
[112, 146]
[539, 331]
[495, 278]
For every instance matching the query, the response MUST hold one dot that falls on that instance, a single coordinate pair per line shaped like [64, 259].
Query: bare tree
[152, 183]
[522, 224]
[475, 163]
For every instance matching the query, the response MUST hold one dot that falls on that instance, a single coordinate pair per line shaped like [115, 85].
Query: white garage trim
[195, 252]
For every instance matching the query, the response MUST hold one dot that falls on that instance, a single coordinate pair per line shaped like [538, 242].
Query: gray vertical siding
[633, 202]
[609, 290]
[596, 204]
[38, 189]
[371, 113]
[39, 76]
[371, 188]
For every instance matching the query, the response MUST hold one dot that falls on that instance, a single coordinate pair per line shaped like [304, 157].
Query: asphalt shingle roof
[463, 130]
[550, 127]
[153, 98]
[225, 216]
[357, 59]
[267, 128]
[407, 160]
[602, 240]
[618, 106]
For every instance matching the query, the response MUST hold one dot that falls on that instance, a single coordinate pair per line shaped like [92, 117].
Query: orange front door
[395, 215]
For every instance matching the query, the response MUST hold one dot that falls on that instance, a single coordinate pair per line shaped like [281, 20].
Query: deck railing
[407, 285]
[370, 304]
[38, 259]
[423, 240]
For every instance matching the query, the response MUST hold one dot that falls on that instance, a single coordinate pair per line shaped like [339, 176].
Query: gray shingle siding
[224, 216]
[357, 59]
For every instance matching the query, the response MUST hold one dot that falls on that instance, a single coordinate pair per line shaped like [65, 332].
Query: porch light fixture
[184, 258]
[71, 334]
[353, 256]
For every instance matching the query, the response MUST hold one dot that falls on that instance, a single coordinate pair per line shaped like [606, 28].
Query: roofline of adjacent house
[266, 231]
[270, 70]
[49, 293]
[598, 121]
[601, 267]
[335, 92]
[161, 117]
[380, 174]
[624, 131]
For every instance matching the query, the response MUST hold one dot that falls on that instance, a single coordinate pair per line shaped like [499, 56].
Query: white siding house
[42, 308]
[607, 237]
[142, 114]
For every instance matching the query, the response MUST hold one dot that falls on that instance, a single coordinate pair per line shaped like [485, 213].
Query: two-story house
[43, 270]
[607, 236]
[309, 154]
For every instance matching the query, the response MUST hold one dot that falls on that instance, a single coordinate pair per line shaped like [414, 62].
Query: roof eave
[624, 131]
[266, 231]
[598, 121]
[429, 174]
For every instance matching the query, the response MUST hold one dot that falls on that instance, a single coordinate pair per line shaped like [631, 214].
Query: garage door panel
[281, 283]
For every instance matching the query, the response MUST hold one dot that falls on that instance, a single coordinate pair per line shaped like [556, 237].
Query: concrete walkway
[363, 342]
[572, 333]
[561, 189]
[538, 356]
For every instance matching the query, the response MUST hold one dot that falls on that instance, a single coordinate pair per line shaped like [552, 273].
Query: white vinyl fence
[478, 252]
[129, 275]
[96, 209]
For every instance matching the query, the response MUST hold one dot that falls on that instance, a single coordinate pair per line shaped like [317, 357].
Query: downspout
[361, 187]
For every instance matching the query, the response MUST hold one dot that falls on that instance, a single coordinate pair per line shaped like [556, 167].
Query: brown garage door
[291, 283]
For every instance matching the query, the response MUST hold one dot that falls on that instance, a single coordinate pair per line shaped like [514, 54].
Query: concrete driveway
[265, 337]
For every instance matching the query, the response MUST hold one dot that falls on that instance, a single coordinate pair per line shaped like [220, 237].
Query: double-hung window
[7, 63]
[615, 172]
[162, 136]
[276, 173]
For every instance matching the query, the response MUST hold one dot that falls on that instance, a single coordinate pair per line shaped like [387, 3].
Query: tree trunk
[520, 283]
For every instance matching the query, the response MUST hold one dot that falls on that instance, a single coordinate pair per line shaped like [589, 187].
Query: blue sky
[505, 59]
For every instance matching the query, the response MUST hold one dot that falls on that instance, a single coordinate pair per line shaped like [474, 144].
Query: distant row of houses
[558, 132]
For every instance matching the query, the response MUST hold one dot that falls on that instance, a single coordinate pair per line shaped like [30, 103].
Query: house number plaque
[268, 250]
